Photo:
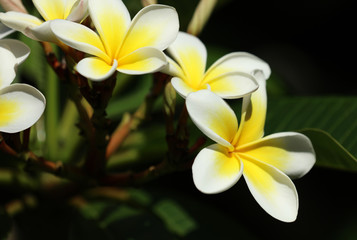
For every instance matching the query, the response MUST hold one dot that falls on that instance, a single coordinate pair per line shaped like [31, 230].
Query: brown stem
[99, 97]
[123, 130]
[6, 148]
[58, 67]
[26, 139]
[136, 178]
[33, 162]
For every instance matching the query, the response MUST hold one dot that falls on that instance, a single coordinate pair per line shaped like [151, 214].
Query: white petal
[50, 10]
[95, 68]
[111, 19]
[142, 61]
[191, 54]
[181, 87]
[213, 116]
[79, 11]
[20, 107]
[233, 85]
[20, 50]
[254, 109]
[79, 37]
[272, 189]
[20, 22]
[7, 67]
[237, 62]
[290, 152]
[4, 31]
[154, 26]
[215, 170]
[172, 69]
[44, 33]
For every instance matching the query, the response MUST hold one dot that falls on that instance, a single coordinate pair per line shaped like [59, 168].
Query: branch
[33, 162]
[6, 148]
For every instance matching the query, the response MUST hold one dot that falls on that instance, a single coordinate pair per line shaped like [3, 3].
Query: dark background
[309, 44]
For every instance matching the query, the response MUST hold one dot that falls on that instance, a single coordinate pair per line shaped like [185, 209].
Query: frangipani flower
[37, 29]
[229, 77]
[20, 104]
[128, 46]
[265, 162]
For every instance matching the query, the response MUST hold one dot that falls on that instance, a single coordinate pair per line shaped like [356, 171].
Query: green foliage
[333, 120]
[330, 152]
[175, 217]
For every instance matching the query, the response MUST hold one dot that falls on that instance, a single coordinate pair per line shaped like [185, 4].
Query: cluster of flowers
[21, 105]
[135, 46]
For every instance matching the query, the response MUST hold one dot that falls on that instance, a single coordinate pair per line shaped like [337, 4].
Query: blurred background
[309, 44]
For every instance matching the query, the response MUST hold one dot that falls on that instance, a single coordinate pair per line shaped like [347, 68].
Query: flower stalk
[200, 17]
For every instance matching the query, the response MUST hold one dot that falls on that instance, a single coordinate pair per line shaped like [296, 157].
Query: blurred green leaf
[140, 196]
[130, 98]
[143, 147]
[330, 152]
[336, 144]
[175, 217]
[93, 210]
[120, 213]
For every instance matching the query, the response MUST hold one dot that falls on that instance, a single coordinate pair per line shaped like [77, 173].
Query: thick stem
[99, 97]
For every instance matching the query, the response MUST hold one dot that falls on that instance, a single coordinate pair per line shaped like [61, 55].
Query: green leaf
[175, 217]
[335, 143]
[130, 98]
[120, 213]
[93, 210]
[330, 152]
[143, 147]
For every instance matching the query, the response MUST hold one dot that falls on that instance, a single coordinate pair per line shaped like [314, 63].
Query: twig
[136, 178]
[6, 148]
[123, 130]
[33, 162]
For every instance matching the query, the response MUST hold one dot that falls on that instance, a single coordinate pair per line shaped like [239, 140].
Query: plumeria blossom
[229, 77]
[21, 105]
[37, 29]
[265, 162]
[128, 46]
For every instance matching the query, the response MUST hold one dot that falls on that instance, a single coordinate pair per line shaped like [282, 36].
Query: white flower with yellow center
[37, 29]
[20, 104]
[229, 77]
[265, 162]
[128, 46]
